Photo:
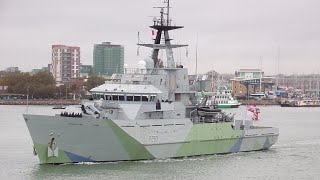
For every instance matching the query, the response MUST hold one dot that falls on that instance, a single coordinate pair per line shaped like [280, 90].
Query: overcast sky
[232, 34]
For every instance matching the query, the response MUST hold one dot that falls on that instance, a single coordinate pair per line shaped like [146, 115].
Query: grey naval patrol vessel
[145, 113]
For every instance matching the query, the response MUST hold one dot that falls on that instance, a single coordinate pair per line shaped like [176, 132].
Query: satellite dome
[142, 65]
[149, 63]
[125, 66]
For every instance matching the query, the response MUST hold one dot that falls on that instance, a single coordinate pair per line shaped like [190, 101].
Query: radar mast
[163, 25]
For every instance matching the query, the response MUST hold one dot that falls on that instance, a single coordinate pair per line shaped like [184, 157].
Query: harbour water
[296, 155]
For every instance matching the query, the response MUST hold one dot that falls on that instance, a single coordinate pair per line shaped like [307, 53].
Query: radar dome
[149, 63]
[125, 66]
[142, 65]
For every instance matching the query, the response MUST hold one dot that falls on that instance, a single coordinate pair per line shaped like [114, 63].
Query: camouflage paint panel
[210, 139]
[258, 145]
[267, 144]
[135, 150]
[42, 151]
[81, 140]
[224, 106]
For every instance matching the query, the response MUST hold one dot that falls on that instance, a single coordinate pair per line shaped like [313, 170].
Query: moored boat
[59, 107]
[221, 98]
[300, 103]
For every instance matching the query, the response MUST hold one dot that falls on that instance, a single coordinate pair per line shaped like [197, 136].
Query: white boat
[300, 103]
[221, 98]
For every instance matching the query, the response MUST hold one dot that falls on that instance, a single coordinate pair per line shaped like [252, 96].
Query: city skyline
[66, 62]
[231, 34]
[108, 59]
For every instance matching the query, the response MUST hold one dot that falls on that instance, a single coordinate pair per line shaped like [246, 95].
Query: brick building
[251, 81]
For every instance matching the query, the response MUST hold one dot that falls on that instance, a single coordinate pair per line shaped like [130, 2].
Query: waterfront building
[249, 73]
[3, 88]
[12, 70]
[204, 82]
[8, 71]
[251, 81]
[43, 69]
[108, 59]
[308, 84]
[65, 63]
[4, 92]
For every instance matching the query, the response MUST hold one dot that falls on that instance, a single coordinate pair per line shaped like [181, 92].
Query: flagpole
[261, 74]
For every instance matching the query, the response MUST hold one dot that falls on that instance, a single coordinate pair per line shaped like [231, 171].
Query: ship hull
[103, 140]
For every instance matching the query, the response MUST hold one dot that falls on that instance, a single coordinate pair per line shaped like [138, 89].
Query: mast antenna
[138, 43]
[162, 25]
[168, 10]
[197, 55]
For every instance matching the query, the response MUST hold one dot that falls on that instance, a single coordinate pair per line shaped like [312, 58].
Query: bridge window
[97, 96]
[137, 98]
[121, 97]
[145, 98]
[108, 97]
[115, 97]
[152, 98]
[129, 98]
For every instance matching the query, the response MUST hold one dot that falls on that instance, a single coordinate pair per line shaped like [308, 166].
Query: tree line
[43, 85]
